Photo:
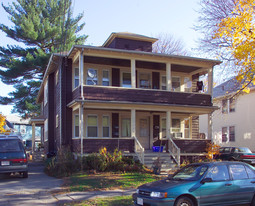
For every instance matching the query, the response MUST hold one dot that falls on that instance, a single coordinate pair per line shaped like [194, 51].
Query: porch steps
[167, 163]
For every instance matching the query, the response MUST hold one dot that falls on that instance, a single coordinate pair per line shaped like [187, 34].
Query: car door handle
[228, 184]
[253, 182]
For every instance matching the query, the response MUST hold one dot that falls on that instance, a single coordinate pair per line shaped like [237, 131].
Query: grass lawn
[113, 201]
[107, 181]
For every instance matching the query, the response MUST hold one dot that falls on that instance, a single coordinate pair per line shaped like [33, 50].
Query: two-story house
[233, 123]
[121, 95]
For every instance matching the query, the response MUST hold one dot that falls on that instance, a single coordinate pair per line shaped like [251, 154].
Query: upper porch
[140, 70]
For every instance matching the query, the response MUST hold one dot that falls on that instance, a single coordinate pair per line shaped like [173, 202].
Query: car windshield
[10, 146]
[190, 173]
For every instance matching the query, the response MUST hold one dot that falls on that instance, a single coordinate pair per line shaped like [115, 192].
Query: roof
[15, 119]
[228, 87]
[128, 35]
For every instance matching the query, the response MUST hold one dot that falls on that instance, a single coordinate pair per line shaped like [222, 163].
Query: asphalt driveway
[34, 190]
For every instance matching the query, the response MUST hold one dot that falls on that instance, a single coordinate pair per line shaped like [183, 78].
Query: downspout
[81, 66]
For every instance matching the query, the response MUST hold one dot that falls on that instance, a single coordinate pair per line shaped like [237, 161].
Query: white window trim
[74, 125]
[88, 78]
[46, 130]
[121, 80]
[109, 78]
[46, 91]
[94, 115]
[76, 77]
[57, 119]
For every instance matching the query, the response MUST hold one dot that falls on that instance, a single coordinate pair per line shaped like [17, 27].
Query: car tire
[25, 174]
[184, 201]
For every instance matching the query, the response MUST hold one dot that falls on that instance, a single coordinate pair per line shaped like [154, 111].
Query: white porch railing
[139, 150]
[174, 151]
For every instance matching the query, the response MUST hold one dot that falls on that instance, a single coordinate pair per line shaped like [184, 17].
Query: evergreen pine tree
[44, 27]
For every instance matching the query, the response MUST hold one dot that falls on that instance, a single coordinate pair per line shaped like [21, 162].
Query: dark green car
[13, 156]
[200, 184]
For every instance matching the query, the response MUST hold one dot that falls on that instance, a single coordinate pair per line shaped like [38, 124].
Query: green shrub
[63, 164]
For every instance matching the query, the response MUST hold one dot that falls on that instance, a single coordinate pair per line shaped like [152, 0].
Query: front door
[144, 132]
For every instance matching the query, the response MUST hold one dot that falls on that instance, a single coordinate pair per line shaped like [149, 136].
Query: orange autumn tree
[239, 29]
[2, 123]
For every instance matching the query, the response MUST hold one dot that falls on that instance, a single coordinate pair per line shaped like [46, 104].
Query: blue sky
[146, 17]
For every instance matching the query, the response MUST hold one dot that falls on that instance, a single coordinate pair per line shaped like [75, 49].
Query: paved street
[31, 191]
[35, 190]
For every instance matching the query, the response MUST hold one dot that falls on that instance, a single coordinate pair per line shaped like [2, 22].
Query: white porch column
[210, 81]
[168, 124]
[168, 77]
[81, 119]
[210, 127]
[81, 68]
[133, 73]
[133, 123]
[33, 137]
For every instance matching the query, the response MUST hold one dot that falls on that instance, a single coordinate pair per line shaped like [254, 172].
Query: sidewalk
[80, 196]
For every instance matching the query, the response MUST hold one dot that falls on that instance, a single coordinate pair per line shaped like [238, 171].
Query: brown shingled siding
[93, 145]
[146, 96]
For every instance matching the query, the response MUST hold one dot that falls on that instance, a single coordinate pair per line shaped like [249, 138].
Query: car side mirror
[207, 179]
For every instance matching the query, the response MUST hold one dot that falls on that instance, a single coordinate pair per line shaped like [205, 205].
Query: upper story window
[176, 84]
[228, 105]
[106, 79]
[126, 79]
[224, 134]
[187, 84]
[46, 92]
[76, 77]
[145, 80]
[163, 82]
[92, 77]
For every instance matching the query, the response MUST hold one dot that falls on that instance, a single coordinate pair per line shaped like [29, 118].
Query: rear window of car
[11, 145]
[244, 150]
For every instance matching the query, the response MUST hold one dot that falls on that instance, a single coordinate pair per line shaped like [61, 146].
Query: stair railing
[139, 150]
[174, 150]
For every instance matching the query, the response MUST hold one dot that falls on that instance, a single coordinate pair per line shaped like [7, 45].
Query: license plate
[4, 163]
[139, 201]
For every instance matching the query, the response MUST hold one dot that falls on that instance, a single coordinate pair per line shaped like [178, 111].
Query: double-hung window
[187, 84]
[92, 77]
[163, 82]
[126, 79]
[76, 77]
[76, 126]
[106, 126]
[144, 80]
[126, 127]
[92, 126]
[105, 80]
[224, 134]
[176, 84]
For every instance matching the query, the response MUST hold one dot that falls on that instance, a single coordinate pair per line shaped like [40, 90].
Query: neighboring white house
[234, 122]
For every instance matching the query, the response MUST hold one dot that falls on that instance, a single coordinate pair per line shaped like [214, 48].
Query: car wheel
[25, 175]
[184, 201]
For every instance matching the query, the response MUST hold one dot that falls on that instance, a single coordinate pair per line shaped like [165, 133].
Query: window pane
[224, 106]
[105, 121]
[144, 80]
[106, 75]
[232, 134]
[218, 173]
[176, 84]
[76, 72]
[250, 172]
[76, 82]
[224, 134]
[187, 84]
[77, 131]
[126, 80]
[106, 131]
[92, 131]
[238, 172]
[92, 120]
[231, 105]
[126, 127]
